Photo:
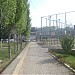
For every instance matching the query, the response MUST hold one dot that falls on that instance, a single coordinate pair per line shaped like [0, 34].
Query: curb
[6, 68]
[66, 65]
[17, 68]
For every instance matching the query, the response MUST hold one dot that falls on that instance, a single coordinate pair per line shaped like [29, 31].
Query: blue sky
[39, 8]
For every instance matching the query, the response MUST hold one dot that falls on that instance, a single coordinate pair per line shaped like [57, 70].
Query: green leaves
[22, 18]
[18, 10]
[67, 44]
[8, 8]
[15, 15]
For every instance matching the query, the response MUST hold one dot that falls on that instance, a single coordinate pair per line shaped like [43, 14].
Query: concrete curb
[17, 68]
[10, 68]
[66, 65]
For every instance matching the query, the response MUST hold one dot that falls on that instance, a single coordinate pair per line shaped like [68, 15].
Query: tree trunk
[14, 44]
[20, 42]
[25, 40]
[17, 41]
[9, 50]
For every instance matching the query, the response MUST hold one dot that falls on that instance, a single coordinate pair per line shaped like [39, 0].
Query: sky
[39, 8]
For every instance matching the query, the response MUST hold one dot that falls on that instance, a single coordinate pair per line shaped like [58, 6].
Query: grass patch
[4, 55]
[66, 58]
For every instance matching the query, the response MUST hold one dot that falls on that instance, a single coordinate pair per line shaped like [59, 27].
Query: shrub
[67, 43]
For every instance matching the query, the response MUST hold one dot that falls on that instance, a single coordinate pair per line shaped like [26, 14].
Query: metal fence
[54, 27]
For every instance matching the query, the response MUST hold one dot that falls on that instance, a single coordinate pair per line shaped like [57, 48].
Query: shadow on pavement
[47, 61]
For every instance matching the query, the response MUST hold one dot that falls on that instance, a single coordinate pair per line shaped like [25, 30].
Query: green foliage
[66, 58]
[67, 44]
[18, 10]
[15, 16]
[8, 9]
[28, 24]
[22, 19]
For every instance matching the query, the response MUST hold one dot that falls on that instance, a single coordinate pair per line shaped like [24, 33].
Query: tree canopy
[14, 14]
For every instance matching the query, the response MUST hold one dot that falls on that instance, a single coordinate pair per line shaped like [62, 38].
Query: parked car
[6, 40]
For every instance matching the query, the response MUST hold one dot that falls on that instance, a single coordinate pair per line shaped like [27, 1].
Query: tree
[14, 16]
[28, 24]
[20, 18]
[8, 9]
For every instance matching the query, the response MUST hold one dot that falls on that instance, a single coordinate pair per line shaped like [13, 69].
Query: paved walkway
[38, 61]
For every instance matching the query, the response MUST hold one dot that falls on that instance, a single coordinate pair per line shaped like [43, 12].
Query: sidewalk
[36, 60]
[39, 61]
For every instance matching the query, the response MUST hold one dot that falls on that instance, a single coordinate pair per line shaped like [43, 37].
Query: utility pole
[41, 29]
[65, 23]
[57, 28]
[49, 28]
[65, 20]
[53, 32]
[46, 30]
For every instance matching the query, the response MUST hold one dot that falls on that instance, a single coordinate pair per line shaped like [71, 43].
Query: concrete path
[38, 61]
